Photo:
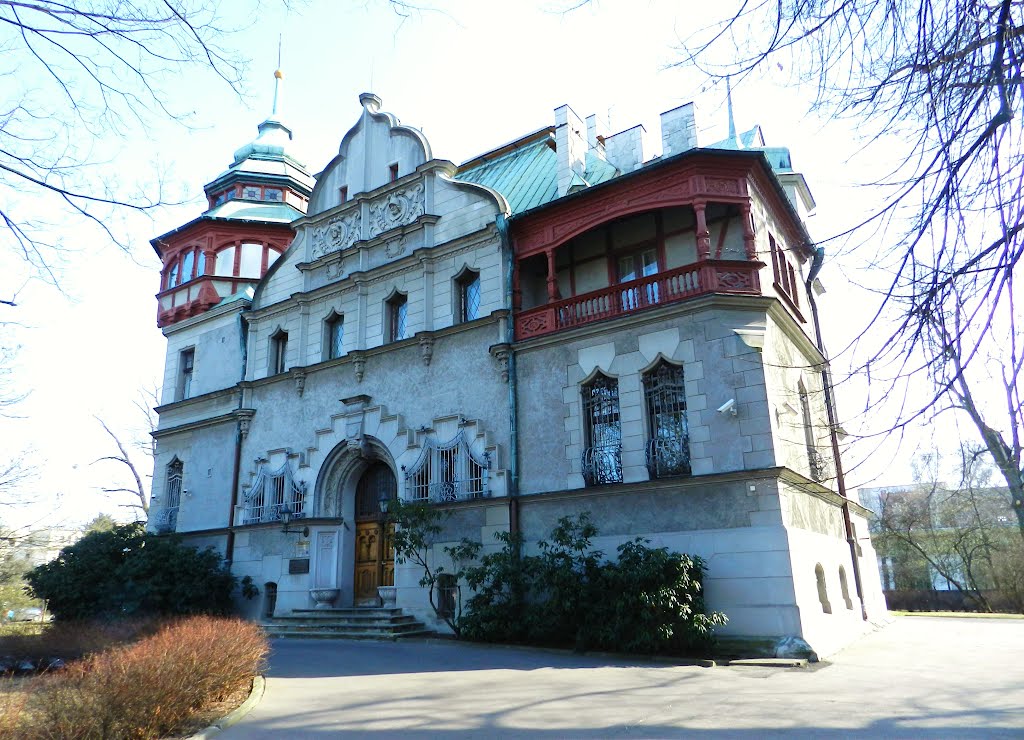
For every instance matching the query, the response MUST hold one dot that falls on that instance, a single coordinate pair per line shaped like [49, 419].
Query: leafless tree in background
[941, 83]
[78, 76]
[960, 532]
[139, 474]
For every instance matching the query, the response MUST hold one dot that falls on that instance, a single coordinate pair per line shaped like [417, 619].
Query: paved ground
[918, 677]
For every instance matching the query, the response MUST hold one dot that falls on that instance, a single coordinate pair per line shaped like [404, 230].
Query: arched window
[188, 264]
[397, 314]
[172, 493]
[602, 454]
[225, 266]
[278, 352]
[172, 276]
[334, 336]
[819, 576]
[269, 599]
[468, 293]
[668, 436]
[447, 472]
[815, 460]
[250, 265]
[845, 587]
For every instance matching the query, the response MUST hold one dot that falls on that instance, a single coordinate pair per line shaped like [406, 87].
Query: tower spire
[278, 76]
[732, 121]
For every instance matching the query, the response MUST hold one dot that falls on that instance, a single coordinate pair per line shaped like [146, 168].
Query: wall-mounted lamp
[384, 502]
[286, 519]
[784, 409]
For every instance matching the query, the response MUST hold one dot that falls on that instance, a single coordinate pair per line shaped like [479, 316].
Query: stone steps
[365, 623]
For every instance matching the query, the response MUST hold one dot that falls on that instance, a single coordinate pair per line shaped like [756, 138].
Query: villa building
[562, 324]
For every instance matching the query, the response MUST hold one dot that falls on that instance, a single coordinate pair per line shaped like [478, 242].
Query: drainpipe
[513, 395]
[236, 472]
[826, 382]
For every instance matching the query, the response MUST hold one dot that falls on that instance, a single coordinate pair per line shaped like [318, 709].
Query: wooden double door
[375, 551]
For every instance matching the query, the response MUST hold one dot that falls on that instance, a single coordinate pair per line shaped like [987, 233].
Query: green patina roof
[528, 176]
[248, 210]
[245, 294]
[753, 139]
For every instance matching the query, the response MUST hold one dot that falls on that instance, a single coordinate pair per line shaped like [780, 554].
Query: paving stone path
[918, 677]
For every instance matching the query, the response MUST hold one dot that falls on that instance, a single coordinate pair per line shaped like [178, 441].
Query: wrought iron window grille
[668, 444]
[821, 470]
[602, 458]
[448, 472]
[601, 465]
[273, 491]
[167, 519]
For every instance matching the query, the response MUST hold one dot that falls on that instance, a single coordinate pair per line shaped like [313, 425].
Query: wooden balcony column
[703, 235]
[552, 276]
[748, 231]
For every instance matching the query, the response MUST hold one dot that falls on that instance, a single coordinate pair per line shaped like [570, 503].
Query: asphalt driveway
[918, 677]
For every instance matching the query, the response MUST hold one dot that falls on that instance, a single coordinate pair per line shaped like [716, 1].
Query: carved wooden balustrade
[671, 286]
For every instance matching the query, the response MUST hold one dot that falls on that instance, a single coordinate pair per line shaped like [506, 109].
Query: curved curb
[259, 685]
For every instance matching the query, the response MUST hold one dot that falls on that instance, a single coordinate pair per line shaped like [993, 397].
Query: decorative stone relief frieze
[337, 233]
[397, 208]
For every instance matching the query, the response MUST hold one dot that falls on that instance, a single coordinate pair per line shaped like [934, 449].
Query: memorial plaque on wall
[296, 567]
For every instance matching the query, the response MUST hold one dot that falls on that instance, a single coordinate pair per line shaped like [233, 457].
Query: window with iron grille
[271, 492]
[397, 313]
[668, 437]
[278, 352]
[447, 472]
[816, 462]
[172, 493]
[334, 336]
[469, 295]
[602, 455]
[447, 587]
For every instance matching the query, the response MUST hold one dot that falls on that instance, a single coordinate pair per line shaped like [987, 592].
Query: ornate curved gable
[375, 151]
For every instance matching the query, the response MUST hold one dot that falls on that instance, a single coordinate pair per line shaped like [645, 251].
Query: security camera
[729, 407]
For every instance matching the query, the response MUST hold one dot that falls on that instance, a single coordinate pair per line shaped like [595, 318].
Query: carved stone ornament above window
[339, 232]
[397, 208]
[395, 247]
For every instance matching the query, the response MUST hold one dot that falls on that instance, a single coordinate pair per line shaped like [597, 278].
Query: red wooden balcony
[680, 284]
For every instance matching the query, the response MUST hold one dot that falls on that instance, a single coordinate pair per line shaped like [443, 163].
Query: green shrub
[648, 600]
[127, 572]
[654, 603]
[496, 611]
[149, 689]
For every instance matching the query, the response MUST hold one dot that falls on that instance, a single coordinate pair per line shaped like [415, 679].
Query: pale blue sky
[472, 77]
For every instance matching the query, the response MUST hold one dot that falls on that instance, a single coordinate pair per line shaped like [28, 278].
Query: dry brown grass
[148, 689]
[72, 640]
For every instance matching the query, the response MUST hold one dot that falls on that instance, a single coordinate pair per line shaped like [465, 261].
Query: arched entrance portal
[375, 552]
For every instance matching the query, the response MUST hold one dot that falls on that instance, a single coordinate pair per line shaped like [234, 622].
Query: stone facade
[422, 335]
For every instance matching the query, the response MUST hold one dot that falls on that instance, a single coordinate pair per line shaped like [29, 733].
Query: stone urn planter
[324, 597]
[388, 595]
